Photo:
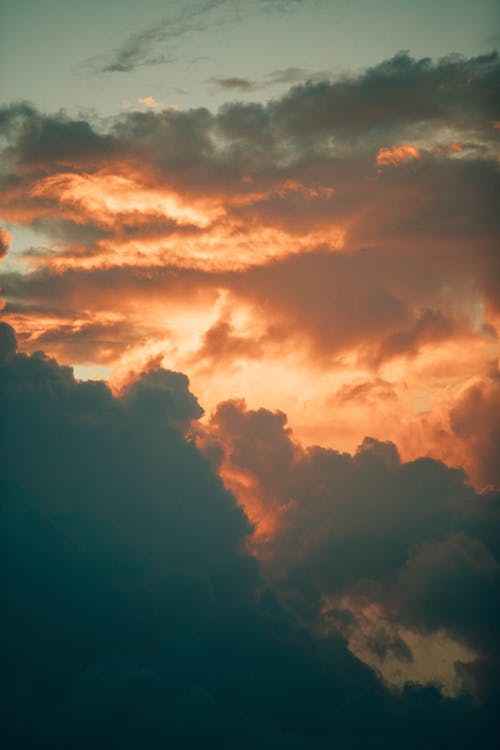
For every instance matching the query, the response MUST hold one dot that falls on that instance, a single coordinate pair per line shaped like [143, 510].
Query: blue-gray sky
[54, 52]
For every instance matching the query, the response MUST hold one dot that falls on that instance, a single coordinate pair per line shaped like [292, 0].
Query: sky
[249, 320]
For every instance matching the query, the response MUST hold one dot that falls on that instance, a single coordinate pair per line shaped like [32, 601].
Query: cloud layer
[348, 228]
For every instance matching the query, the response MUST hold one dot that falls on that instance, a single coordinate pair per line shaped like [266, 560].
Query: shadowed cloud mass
[134, 616]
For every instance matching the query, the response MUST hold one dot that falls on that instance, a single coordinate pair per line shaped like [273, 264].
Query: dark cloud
[475, 418]
[396, 99]
[243, 84]
[133, 616]
[89, 342]
[452, 583]
[8, 344]
[412, 537]
[286, 76]
[398, 93]
[55, 140]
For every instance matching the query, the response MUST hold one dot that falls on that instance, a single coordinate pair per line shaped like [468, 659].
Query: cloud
[221, 343]
[133, 613]
[262, 249]
[395, 155]
[286, 76]
[295, 74]
[140, 48]
[344, 535]
[391, 97]
[90, 341]
[150, 101]
[145, 47]
[5, 240]
[155, 224]
[132, 577]
[243, 84]
[475, 418]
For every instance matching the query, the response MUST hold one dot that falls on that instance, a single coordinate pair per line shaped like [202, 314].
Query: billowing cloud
[384, 550]
[134, 615]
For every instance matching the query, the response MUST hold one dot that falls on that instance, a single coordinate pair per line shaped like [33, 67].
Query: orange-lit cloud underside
[348, 281]
[145, 224]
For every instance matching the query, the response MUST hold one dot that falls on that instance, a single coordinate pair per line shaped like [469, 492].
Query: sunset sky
[252, 483]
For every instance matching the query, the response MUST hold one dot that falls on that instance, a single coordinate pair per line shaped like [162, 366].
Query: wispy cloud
[285, 76]
[154, 44]
[243, 84]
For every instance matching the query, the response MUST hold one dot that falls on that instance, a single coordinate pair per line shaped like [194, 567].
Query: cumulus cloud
[341, 534]
[132, 612]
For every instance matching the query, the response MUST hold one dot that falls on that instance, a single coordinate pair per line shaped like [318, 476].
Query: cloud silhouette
[341, 531]
[132, 614]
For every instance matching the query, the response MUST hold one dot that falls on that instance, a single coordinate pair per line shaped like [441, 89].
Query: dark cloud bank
[133, 617]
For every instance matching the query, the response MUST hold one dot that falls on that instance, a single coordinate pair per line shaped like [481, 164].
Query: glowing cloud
[395, 155]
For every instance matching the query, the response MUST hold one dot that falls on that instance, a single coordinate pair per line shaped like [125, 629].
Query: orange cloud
[258, 250]
[395, 155]
[150, 101]
[5, 240]
[105, 197]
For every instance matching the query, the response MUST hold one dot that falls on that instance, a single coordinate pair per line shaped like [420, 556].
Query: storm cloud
[340, 533]
[132, 613]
